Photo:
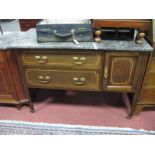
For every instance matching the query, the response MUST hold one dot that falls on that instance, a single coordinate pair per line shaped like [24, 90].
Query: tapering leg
[18, 106]
[31, 106]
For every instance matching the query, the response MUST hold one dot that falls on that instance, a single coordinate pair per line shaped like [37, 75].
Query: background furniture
[147, 93]
[12, 88]
[142, 25]
[26, 24]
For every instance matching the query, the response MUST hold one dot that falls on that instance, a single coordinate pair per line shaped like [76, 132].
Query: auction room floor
[81, 108]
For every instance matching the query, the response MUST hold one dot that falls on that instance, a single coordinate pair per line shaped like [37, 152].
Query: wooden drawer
[148, 96]
[63, 59]
[152, 65]
[150, 79]
[39, 78]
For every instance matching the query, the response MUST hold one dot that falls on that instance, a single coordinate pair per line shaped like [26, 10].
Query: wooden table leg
[31, 106]
[18, 106]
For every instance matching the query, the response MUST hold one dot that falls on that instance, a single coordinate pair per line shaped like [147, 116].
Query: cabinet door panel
[6, 86]
[16, 77]
[120, 69]
[12, 88]
[3, 83]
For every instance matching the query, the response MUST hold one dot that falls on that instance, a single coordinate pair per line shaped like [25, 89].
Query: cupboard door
[7, 94]
[119, 71]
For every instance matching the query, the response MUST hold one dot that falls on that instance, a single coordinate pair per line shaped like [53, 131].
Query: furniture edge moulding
[136, 106]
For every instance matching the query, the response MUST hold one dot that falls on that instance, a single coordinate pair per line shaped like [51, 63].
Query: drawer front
[152, 65]
[148, 96]
[63, 79]
[67, 59]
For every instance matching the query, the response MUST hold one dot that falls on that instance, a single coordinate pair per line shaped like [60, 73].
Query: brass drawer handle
[79, 60]
[106, 72]
[79, 81]
[41, 59]
[44, 79]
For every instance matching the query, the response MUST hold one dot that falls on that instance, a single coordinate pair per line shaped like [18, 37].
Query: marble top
[28, 40]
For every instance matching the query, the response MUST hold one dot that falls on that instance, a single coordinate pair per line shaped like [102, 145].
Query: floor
[73, 107]
[82, 108]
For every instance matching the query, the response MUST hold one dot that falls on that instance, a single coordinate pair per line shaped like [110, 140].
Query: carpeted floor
[28, 128]
[81, 108]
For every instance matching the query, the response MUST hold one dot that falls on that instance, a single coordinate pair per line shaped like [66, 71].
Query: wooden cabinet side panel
[3, 82]
[147, 94]
[7, 92]
[16, 76]
[144, 61]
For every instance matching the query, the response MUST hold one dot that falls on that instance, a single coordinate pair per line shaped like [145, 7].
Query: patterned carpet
[8, 127]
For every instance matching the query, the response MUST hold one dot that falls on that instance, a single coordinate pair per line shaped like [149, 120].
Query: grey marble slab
[28, 40]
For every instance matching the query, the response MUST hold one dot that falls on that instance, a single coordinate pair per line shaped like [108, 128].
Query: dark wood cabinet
[91, 71]
[26, 24]
[117, 71]
[7, 93]
[12, 87]
[147, 93]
